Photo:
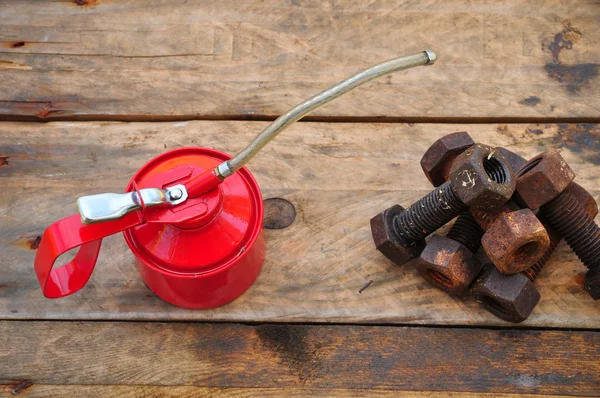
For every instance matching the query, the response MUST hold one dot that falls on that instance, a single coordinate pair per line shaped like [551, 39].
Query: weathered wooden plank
[130, 60]
[124, 391]
[337, 175]
[283, 356]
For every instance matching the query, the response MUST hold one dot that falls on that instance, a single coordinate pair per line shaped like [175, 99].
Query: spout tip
[431, 56]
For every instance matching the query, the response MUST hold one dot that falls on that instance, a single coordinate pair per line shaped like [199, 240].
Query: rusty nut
[509, 297]
[388, 242]
[542, 179]
[448, 265]
[515, 241]
[482, 178]
[592, 283]
[437, 161]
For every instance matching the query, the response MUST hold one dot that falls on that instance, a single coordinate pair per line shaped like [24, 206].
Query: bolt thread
[494, 169]
[429, 213]
[533, 272]
[579, 230]
[466, 231]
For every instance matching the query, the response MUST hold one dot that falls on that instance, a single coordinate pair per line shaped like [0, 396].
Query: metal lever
[113, 206]
[229, 167]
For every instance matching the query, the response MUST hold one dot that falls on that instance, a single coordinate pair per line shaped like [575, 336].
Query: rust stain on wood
[564, 40]
[4, 161]
[29, 243]
[21, 386]
[530, 101]
[534, 131]
[574, 76]
[34, 243]
[583, 138]
[291, 343]
[83, 3]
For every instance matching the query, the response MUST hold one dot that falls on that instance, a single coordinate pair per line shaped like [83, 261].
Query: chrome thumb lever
[113, 206]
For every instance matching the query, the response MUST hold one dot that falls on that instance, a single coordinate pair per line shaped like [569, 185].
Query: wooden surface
[132, 60]
[513, 73]
[337, 175]
[299, 356]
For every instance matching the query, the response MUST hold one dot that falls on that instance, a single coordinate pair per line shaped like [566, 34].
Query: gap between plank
[317, 324]
[313, 119]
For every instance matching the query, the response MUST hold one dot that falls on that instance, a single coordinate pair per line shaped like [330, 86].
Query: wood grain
[123, 391]
[283, 356]
[337, 175]
[131, 60]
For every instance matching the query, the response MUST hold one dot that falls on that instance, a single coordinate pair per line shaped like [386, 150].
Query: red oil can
[192, 217]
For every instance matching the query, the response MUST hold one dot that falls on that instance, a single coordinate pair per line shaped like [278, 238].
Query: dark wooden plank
[337, 175]
[283, 356]
[131, 60]
[31, 390]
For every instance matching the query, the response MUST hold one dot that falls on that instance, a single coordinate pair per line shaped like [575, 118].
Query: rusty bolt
[437, 161]
[509, 297]
[513, 239]
[568, 213]
[389, 242]
[448, 262]
[490, 184]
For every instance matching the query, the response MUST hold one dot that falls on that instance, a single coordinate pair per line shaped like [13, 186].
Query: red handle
[68, 234]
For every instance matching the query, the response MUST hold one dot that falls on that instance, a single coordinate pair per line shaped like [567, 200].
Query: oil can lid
[203, 234]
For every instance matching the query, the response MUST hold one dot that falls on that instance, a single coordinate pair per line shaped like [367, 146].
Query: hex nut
[542, 179]
[448, 265]
[509, 297]
[437, 160]
[388, 242]
[482, 178]
[515, 241]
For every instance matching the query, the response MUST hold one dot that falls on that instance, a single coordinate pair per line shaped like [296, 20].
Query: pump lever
[113, 206]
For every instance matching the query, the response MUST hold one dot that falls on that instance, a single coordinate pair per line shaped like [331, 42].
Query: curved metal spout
[284, 121]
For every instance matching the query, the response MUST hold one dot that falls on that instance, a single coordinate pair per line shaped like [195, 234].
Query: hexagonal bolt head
[389, 242]
[509, 297]
[437, 161]
[592, 283]
[482, 178]
[515, 241]
[448, 265]
[542, 179]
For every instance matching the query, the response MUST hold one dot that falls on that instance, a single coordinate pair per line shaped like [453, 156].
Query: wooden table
[122, 81]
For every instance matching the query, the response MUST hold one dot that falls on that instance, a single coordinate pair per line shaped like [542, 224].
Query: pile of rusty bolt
[516, 210]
